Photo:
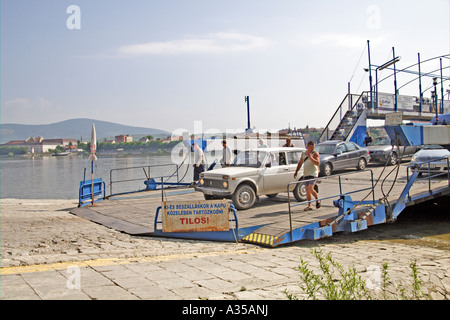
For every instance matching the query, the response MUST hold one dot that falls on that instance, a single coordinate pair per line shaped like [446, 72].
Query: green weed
[337, 283]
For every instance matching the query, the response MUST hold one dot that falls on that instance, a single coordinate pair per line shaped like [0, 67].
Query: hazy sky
[166, 64]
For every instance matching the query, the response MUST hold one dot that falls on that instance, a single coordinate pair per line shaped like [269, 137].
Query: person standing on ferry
[226, 155]
[288, 143]
[311, 159]
[198, 162]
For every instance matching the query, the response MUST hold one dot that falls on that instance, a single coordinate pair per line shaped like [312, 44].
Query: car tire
[244, 197]
[327, 169]
[361, 164]
[300, 192]
[393, 159]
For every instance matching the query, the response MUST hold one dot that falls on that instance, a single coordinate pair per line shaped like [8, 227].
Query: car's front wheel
[244, 197]
[393, 159]
[300, 192]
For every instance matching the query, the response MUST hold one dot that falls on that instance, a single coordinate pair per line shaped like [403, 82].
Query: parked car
[380, 151]
[434, 158]
[255, 172]
[337, 155]
[443, 119]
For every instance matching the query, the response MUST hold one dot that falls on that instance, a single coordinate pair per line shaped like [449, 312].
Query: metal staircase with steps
[341, 127]
[346, 125]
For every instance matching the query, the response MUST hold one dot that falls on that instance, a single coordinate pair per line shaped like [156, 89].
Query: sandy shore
[43, 232]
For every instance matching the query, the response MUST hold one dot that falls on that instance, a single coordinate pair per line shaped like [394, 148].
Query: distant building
[144, 139]
[174, 138]
[41, 145]
[123, 138]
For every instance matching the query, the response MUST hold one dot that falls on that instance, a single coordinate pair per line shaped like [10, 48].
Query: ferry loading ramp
[350, 201]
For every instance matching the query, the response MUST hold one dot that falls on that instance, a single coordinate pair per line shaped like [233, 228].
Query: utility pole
[247, 99]
[370, 76]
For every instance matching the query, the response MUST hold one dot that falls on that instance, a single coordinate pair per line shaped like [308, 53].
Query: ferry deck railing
[147, 175]
[432, 172]
[424, 167]
[417, 168]
[341, 193]
[349, 103]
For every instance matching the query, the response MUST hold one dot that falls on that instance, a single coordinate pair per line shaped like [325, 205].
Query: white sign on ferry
[195, 216]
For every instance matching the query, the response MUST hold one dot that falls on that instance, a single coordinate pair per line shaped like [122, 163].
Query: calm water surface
[59, 177]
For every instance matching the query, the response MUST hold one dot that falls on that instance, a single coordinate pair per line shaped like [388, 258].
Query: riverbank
[85, 154]
[40, 240]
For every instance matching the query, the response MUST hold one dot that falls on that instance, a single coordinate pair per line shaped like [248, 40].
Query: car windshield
[325, 148]
[382, 141]
[249, 159]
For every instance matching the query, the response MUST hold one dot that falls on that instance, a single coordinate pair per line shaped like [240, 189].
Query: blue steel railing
[432, 172]
[350, 102]
[91, 191]
[371, 188]
[147, 177]
[411, 179]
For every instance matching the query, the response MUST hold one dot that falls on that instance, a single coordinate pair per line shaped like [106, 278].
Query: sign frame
[195, 216]
[393, 118]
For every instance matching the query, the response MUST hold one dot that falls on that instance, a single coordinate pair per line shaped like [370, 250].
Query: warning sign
[195, 216]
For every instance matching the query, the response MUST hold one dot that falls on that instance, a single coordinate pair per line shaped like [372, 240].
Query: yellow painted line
[118, 261]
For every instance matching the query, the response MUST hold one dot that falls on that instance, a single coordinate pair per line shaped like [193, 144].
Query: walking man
[311, 159]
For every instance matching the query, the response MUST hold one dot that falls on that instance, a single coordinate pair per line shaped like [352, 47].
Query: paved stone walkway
[48, 253]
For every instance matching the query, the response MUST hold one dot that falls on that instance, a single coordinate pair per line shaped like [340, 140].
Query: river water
[59, 177]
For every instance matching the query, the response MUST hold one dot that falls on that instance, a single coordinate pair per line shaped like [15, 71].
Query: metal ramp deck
[353, 215]
[279, 232]
[271, 223]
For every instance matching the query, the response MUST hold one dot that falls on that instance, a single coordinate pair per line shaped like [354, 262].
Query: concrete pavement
[49, 254]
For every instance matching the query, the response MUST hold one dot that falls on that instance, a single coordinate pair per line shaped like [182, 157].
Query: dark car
[443, 119]
[380, 151]
[337, 155]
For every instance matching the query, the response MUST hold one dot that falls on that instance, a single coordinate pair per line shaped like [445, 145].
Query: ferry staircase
[341, 126]
[346, 125]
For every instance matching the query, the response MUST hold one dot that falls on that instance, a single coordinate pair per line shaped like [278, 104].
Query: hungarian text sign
[195, 216]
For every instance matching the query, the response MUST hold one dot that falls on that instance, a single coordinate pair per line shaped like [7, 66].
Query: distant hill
[74, 129]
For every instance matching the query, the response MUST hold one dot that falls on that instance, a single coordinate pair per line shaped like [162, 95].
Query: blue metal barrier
[85, 192]
[418, 168]
[151, 181]
[341, 194]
